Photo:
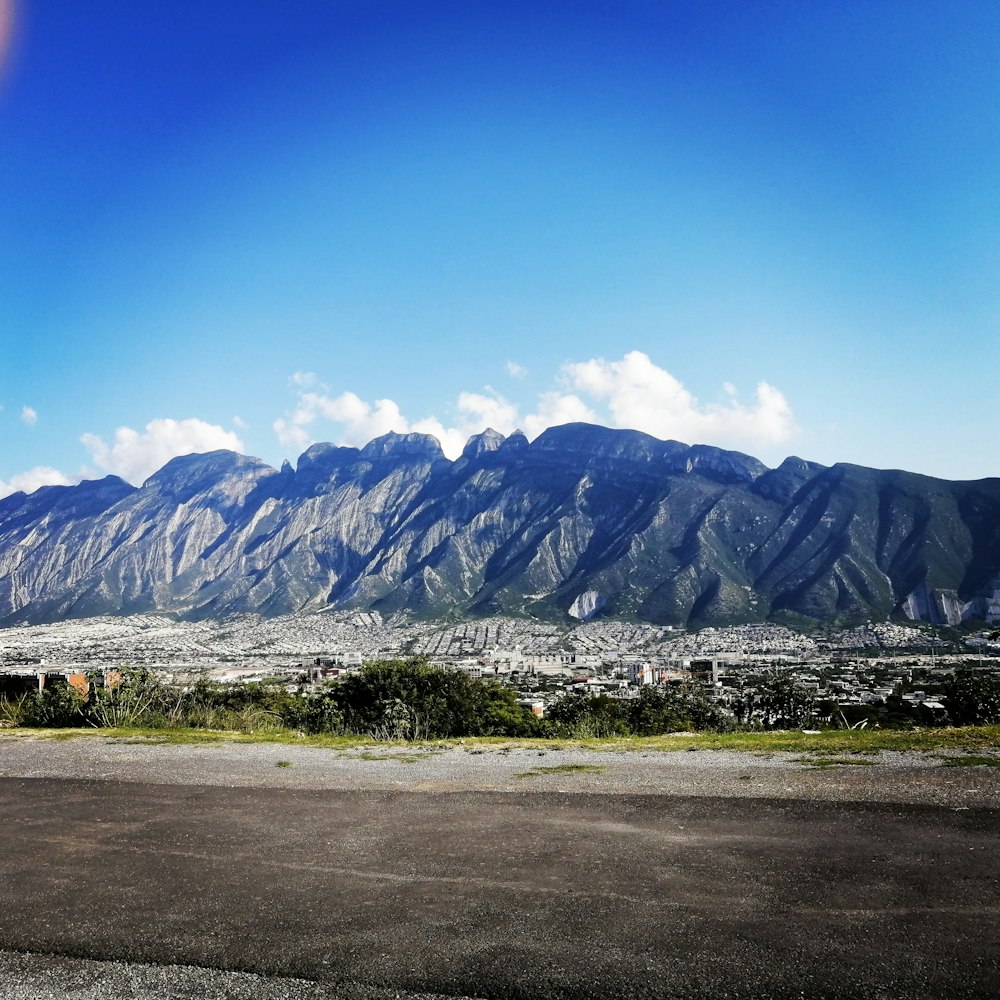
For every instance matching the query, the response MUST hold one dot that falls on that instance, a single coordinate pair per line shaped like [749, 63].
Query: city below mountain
[584, 521]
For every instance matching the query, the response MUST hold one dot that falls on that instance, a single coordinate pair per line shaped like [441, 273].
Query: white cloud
[643, 396]
[630, 393]
[514, 370]
[359, 421]
[452, 439]
[556, 408]
[239, 423]
[136, 455]
[305, 380]
[489, 410]
[29, 416]
[33, 479]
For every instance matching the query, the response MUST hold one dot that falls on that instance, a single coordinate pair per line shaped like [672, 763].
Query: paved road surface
[374, 893]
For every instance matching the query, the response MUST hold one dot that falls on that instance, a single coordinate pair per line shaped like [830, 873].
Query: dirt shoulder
[952, 778]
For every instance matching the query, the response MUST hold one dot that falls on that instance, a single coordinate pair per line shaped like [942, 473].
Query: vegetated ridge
[582, 521]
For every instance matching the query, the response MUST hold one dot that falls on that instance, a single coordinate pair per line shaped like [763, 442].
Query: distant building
[534, 705]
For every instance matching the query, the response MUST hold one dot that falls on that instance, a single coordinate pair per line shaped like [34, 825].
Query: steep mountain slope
[583, 520]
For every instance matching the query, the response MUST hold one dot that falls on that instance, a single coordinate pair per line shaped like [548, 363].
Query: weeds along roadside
[412, 701]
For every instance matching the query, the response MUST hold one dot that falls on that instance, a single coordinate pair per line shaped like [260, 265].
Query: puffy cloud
[33, 479]
[136, 455]
[305, 380]
[452, 439]
[359, 421]
[643, 396]
[290, 434]
[29, 415]
[556, 408]
[487, 410]
[632, 392]
[514, 370]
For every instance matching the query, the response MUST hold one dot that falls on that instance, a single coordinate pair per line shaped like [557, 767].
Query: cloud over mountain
[641, 395]
[33, 479]
[135, 455]
[632, 392]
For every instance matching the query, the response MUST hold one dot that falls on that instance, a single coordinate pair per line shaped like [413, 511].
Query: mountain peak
[393, 445]
[729, 466]
[324, 456]
[488, 440]
[596, 441]
[186, 475]
[516, 440]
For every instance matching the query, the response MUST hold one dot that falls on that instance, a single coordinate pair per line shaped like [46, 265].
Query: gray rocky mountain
[582, 521]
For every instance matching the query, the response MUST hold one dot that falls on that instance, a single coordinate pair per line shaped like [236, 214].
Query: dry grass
[966, 739]
[970, 760]
[539, 772]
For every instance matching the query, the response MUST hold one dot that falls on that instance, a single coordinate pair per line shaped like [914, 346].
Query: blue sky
[773, 227]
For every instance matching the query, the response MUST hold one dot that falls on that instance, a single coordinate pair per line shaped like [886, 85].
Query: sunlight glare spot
[6, 24]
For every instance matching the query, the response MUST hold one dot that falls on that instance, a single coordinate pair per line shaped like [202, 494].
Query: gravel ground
[746, 872]
[53, 977]
[895, 776]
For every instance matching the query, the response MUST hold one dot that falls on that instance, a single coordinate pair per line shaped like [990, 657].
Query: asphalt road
[497, 895]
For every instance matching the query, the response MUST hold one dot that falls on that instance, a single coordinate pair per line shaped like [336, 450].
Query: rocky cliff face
[584, 520]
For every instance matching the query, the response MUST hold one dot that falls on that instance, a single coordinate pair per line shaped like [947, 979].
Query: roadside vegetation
[410, 701]
[389, 701]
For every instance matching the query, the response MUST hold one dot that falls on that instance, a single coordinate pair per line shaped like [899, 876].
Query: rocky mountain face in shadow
[583, 520]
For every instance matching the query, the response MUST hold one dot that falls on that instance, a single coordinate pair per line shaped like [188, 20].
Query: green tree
[319, 712]
[782, 702]
[581, 715]
[972, 699]
[410, 700]
[56, 705]
[658, 710]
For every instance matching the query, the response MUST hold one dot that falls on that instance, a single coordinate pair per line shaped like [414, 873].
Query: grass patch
[834, 742]
[538, 772]
[825, 763]
[282, 763]
[399, 758]
[57, 735]
[183, 736]
[139, 741]
[970, 760]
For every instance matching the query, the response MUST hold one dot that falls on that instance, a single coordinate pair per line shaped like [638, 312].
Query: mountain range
[583, 521]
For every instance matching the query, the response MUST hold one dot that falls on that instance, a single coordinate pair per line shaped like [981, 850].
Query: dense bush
[580, 715]
[410, 700]
[391, 700]
[138, 699]
[657, 710]
[774, 700]
[252, 707]
[57, 706]
[972, 699]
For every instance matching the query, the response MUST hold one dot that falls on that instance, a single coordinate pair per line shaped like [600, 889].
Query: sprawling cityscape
[852, 668]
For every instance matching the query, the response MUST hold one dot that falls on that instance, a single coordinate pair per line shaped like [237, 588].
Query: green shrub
[973, 699]
[411, 700]
[138, 699]
[56, 706]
